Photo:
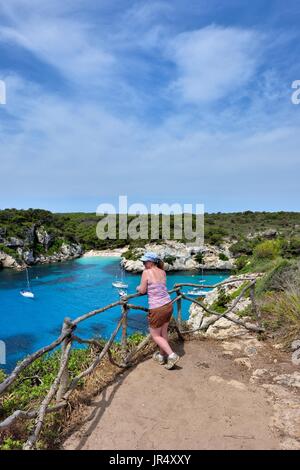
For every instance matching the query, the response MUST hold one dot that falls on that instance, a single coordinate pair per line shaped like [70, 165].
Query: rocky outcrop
[295, 346]
[30, 235]
[43, 237]
[33, 248]
[14, 242]
[180, 257]
[67, 251]
[267, 234]
[8, 261]
[222, 328]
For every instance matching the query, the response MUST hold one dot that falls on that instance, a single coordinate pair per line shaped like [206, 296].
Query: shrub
[281, 311]
[220, 304]
[131, 255]
[241, 262]
[268, 249]
[223, 257]
[135, 339]
[11, 444]
[199, 257]
[242, 247]
[290, 248]
[170, 259]
[276, 278]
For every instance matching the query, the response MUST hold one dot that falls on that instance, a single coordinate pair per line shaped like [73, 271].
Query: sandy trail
[190, 407]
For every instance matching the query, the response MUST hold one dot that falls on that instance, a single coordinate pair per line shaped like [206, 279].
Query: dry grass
[280, 307]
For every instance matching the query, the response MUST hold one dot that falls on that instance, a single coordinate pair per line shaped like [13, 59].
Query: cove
[71, 289]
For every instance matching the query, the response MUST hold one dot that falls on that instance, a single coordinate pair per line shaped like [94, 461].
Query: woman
[160, 307]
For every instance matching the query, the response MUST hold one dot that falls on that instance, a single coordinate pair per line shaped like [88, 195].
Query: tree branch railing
[63, 386]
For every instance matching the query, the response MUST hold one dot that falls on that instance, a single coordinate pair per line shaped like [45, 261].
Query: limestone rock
[296, 357]
[7, 261]
[182, 257]
[14, 242]
[222, 328]
[295, 344]
[244, 362]
[43, 237]
[231, 345]
[218, 332]
[260, 375]
[216, 379]
[30, 236]
[237, 384]
[71, 250]
[28, 257]
[286, 419]
[290, 380]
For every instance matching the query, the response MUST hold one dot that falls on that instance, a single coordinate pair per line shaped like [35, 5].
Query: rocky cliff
[36, 246]
[180, 257]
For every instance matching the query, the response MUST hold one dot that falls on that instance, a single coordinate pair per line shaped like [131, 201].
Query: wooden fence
[62, 387]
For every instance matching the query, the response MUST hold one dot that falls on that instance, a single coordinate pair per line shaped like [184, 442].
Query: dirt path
[205, 403]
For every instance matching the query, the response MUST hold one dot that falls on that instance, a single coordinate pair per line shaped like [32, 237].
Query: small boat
[119, 282]
[122, 292]
[197, 292]
[27, 292]
[120, 285]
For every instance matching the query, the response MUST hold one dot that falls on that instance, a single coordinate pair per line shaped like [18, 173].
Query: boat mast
[28, 283]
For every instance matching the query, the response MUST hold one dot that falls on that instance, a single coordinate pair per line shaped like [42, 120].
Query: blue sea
[70, 289]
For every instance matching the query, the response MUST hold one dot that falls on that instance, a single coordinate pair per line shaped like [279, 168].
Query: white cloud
[74, 146]
[62, 41]
[213, 62]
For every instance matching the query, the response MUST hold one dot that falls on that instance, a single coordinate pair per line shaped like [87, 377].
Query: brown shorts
[157, 317]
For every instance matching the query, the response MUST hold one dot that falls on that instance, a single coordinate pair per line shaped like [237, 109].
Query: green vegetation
[170, 259]
[28, 391]
[199, 257]
[131, 255]
[220, 305]
[278, 290]
[33, 384]
[279, 301]
[81, 228]
[268, 249]
[223, 257]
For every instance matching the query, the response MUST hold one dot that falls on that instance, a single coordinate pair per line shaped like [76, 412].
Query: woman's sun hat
[150, 256]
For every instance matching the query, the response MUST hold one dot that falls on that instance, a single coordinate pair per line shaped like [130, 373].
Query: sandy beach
[115, 252]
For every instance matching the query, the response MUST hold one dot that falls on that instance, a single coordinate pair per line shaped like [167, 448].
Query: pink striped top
[157, 294]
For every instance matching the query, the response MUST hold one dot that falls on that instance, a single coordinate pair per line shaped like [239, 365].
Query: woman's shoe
[159, 358]
[172, 360]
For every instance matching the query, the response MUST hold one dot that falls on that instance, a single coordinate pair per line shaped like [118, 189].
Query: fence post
[179, 307]
[124, 328]
[65, 378]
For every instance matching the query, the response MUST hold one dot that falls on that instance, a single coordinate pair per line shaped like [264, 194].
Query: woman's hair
[160, 264]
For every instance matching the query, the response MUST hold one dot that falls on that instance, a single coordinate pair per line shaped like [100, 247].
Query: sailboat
[119, 282]
[27, 292]
[197, 292]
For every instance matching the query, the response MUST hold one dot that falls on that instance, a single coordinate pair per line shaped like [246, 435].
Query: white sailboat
[27, 292]
[197, 292]
[119, 282]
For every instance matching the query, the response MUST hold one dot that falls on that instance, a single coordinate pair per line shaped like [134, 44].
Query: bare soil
[205, 402]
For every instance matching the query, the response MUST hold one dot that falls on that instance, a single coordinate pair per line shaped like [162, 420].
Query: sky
[161, 101]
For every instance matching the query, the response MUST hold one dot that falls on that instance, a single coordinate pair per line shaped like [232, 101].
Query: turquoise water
[69, 289]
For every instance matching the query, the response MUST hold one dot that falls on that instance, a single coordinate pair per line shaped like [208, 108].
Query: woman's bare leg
[164, 331]
[163, 344]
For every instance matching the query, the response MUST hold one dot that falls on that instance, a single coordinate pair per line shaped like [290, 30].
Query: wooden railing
[62, 387]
